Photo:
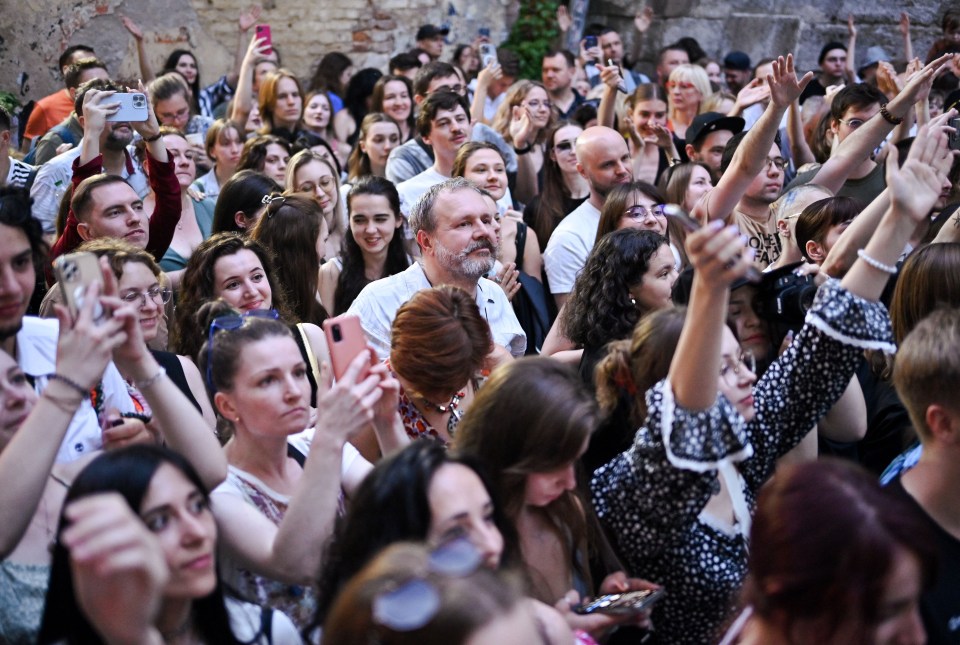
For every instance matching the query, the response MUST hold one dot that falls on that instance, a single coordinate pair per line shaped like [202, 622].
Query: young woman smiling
[373, 247]
[393, 95]
[379, 134]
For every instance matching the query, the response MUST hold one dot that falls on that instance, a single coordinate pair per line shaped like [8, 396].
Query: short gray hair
[422, 216]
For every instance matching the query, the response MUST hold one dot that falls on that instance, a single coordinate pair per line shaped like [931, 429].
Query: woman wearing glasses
[564, 188]
[687, 88]
[138, 283]
[523, 120]
[310, 173]
[680, 499]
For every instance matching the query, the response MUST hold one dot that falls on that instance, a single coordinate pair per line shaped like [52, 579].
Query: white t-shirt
[570, 246]
[246, 621]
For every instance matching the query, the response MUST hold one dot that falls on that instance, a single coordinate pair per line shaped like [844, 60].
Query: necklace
[453, 408]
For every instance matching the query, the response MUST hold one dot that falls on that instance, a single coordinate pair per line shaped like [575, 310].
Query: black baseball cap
[704, 124]
[737, 60]
[431, 31]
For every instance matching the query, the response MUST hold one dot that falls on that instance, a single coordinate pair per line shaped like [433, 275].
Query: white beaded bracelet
[876, 264]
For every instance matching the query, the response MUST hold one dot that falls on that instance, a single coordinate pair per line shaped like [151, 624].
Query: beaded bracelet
[876, 264]
[73, 385]
[144, 384]
[889, 118]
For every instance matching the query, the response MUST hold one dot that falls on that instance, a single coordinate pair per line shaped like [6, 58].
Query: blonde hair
[927, 369]
[515, 95]
[698, 77]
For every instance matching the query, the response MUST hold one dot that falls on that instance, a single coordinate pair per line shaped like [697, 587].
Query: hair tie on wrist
[153, 138]
[73, 385]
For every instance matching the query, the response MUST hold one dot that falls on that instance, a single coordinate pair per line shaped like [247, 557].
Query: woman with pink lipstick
[393, 96]
[310, 173]
[196, 219]
[166, 495]
[373, 247]
[241, 272]
[379, 134]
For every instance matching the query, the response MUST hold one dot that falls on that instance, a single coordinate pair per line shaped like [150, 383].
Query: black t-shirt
[940, 606]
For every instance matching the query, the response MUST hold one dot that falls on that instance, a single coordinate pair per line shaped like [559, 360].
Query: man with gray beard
[53, 179]
[456, 230]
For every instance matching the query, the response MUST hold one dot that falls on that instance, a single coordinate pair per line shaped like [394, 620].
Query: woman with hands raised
[680, 499]
[283, 492]
[32, 487]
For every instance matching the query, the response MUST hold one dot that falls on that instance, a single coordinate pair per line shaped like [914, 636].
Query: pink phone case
[263, 31]
[346, 340]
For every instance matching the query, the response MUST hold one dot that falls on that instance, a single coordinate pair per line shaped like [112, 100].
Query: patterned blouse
[652, 496]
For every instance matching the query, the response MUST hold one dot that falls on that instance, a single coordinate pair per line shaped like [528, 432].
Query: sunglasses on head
[230, 323]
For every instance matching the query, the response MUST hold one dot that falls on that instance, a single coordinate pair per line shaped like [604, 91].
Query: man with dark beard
[53, 179]
[456, 230]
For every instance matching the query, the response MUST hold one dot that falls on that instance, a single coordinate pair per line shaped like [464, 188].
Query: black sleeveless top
[171, 362]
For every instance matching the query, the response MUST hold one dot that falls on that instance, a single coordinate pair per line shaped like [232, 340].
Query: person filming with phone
[105, 203]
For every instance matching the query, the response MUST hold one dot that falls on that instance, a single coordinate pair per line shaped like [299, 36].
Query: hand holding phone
[263, 32]
[133, 107]
[619, 604]
[345, 340]
[75, 272]
[488, 54]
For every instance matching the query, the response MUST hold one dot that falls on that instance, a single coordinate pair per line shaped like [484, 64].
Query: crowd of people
[439, 354]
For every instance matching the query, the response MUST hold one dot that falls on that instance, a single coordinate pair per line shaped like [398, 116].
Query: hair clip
[269, 199]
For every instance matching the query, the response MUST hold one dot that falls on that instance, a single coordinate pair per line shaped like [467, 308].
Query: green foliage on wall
[533, 35]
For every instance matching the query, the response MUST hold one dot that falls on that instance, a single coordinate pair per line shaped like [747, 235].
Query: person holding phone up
[106, 206]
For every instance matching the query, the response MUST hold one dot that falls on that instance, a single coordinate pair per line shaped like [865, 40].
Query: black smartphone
[955, 135]
[630, 602]
[589, 42]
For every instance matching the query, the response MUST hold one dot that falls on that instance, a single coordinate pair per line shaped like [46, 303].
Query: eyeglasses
[779, 162]
[536, 104]
[231, 323]
[640, 213]
[731, 369]
[565, 146]
[853, 124]
[458, 88]
[414, 603]
[155, 293]
[683, 85]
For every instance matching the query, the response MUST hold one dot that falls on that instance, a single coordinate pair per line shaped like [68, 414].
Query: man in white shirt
[53, 179]
[604, 161]
[457, 234]
[443, 124]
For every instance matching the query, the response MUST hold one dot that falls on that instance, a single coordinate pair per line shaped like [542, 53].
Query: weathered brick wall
[33, 32]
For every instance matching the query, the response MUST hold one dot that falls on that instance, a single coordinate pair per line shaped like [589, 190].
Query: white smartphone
[488, 54]
[133, 107]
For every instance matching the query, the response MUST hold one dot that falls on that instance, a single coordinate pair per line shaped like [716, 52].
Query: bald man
[604, 161]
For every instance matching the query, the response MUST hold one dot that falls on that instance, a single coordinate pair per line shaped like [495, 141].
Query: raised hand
[118, 566]
[249, 17]
[509, 279]
[610, 75]
[643, 19]
[664, 136]
[916, 186]
[919, 84]
[851, 27]
[718, 254]
[752, 93]
[151, 127]
[904, 24]
[132, 27]
[97, 106]
[522, 129]
[785, 88]
[348, 406]
[564, 21]
[888, 81]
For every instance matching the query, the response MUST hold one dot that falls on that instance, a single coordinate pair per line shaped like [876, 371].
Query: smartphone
[484, 32]
[955, 135]
[345, 339]
[75, 272]
[589, 42]
[488, 54]
[619, 604]
[133, 107]
[195, 139]
[263, 31]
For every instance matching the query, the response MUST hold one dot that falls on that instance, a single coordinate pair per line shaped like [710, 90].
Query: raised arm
[293, 552]
[83, 352]
[243, 97]
[850, 72]
[799, 147]
[611, 77]
[523, 133]
[905, 34]
[914, 189]
[245, 21]
[752, 152]
[485, 77]
[146, 74]
[858, 146]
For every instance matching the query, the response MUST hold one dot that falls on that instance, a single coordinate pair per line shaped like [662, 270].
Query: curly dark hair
[599, 308]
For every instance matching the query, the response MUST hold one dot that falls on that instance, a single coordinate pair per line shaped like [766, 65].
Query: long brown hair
[550, 209]
[533, 415]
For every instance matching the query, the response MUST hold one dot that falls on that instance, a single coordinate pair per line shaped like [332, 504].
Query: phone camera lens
[337, 336]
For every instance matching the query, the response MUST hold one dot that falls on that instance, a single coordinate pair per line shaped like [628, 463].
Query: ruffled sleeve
[650, 495]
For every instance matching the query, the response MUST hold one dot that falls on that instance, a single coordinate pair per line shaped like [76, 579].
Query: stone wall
[34, 32]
